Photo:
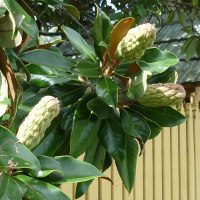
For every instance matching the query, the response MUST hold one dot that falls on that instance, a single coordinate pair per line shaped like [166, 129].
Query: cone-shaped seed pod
[167, 94]
[32, 129]
[133, 45]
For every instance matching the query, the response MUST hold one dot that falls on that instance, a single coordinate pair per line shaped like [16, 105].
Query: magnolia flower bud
[133, 45]
[32, 129]
[167, 94]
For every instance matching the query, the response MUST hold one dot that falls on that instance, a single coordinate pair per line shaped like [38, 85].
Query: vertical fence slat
[190, 152]
[174, 162]
[117, 187]
[126, 195]
[182, 159]
[106, 189]
[139, 180]
[166, 164]
[196, 131]
[148, 171]
[67, 188]
[157, 167]
[93, 190]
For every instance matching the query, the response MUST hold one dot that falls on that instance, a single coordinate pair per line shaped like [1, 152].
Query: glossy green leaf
[52, 142]
[28, 24]
[138, 84]
[121, 69]
[134, 125]
[42, 81]
[84, 129]
[155, 128]
[11, 58]
[79, 44]
[102, 30]
[99, 108]
[4, 179]
[47, 58]
[89, 69]
[68, 93]
[74, 171]
[94, 155]
[112, 137]
[71, 9]
[13, 154]
[164, 116]
[127, 168]
[40, 190]
[13, 190]
[165, 77]
[48, 166]
[106, 90]
[158, 61]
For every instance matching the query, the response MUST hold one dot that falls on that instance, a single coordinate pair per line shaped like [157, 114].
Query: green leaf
[42, 76]
[155, 128]
[13, 154]
[3, 94]
[40, 190]
[102, 31]
[47, 58]
[48, 166]
[84, 129]
[186, 44]
[165, 77]
[181, 18]
[106, 90]
[67, 118]
[138, 84]
[28, 24]
[191, 49]
[112, 137]
[13, 189]
[73, 11]
[134, 125]
[127, 168]
[164, 116]
[76, 171]
[121, 69]
[170, 16]
[94, 155]
[4, 179]
[79, 44]
[99, 108]
[195, 2]
[141, 10]
[89, 69]
[158, 61]
[52, 141]
[11, 58]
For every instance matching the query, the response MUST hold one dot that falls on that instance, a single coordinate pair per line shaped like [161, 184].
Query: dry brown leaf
[117, 34]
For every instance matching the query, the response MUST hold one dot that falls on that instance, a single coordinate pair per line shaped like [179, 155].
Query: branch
[51, 34]
[170, 41]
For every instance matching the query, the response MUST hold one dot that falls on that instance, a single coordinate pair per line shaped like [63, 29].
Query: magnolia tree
[54, 109]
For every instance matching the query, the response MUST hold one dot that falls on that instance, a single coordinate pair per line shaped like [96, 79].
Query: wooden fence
[169, 169]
